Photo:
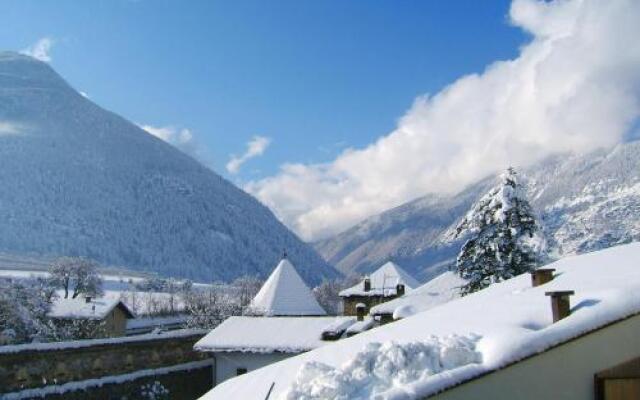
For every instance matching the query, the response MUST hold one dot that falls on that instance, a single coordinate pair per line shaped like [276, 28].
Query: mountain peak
[81, 181]
[22, 71]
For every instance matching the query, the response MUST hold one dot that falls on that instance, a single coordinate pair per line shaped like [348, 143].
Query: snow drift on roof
[512, 320]
[384, 281]
[270, 334]
[285, 293]
[440, 289]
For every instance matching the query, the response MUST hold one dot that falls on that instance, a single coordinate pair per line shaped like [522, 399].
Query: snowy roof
[285, 293]
[361, 326]
[270, 334]
[80, 308]
[152, 322]
[383, 281]
[440, 289]
[481, 332]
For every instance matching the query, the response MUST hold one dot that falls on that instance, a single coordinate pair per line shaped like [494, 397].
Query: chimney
[87, 299]
[367, 284]
[560, 305]
[400, 289]
[360, 309]
[541, 276]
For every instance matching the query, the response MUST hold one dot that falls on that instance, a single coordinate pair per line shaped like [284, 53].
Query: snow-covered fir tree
[504, 237]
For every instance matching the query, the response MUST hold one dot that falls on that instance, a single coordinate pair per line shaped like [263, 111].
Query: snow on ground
[441, 289]
[509, 321]
[269, 334]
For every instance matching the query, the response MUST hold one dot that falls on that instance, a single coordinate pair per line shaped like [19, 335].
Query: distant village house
[386, 283]
[112, 312]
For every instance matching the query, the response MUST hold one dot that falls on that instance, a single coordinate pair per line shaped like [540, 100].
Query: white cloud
[10, 128]
[40, 50]
[574, 87]
[181, 138]
[255, 147]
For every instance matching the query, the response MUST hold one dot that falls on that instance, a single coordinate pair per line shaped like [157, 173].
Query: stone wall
[26, 368]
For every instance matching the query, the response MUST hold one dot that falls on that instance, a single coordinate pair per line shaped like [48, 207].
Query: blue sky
[313, 76]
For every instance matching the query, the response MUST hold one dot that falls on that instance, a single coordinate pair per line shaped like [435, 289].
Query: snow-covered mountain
[76, 179]
[585, 203]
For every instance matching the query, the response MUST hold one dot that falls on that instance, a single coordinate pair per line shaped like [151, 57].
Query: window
[241, 371]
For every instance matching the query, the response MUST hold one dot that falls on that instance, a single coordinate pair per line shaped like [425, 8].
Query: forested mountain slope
[78, 180]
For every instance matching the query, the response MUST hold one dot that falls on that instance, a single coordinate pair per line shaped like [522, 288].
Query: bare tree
[328, 293]
[246, 288]
[77, 274]
[60, 274]
[208, 308]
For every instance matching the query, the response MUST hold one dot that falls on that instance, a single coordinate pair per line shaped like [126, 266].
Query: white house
[386, 283]
[573, 337]
[285, 320]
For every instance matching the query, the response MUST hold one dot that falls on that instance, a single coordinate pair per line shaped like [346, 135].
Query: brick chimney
[560, 305]
[360, 310]
[400, 289]
[367, 284]
[541, 276]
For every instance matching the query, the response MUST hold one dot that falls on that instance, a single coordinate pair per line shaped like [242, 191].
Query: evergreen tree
[505, 239]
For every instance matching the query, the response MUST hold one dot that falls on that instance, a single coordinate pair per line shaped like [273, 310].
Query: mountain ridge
[81, 180]
[586, 202]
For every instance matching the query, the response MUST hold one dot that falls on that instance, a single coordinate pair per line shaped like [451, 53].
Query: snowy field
[119, 287]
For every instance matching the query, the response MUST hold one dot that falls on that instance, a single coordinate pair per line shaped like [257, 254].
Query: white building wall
[227, 363]
[564, 373]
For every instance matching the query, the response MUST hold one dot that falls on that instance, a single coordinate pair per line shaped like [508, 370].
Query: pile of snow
[439, 290]
[380, 367]
[285, 293]
[512, 319]
[383, 282]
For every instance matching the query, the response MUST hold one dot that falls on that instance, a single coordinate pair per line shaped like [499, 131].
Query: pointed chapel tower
[285, 294]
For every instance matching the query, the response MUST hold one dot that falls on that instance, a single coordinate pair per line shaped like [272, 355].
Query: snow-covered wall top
[466, 337]
[80, 180]
[76, 344]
